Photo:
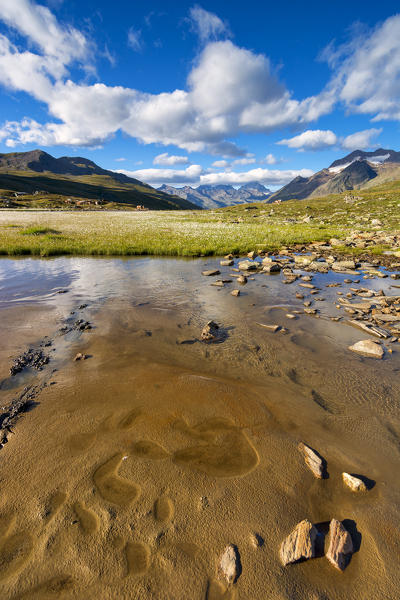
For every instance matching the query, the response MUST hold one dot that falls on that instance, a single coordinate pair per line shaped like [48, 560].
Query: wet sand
[140, 464]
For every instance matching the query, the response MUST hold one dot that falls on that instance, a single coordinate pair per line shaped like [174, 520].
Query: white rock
[368, 348]
[248, 265]
[229, 564]
[354, 483]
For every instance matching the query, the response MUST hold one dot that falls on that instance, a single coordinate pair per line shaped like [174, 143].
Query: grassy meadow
[192, 233]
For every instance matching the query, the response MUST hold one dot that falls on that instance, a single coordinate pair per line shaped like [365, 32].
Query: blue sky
[186, 93]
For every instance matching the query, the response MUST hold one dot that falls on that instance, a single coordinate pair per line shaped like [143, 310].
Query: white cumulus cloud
[367, 71]
[160, 176]
[270, 159]
[320, 140]
[361, 140]
[244, 161]
[220, 164]
[230, 90]
[196, 175]
[316, 139]
[168, 159]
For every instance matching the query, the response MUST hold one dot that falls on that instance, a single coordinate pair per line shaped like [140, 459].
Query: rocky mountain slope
[218, 196]
[37, 171]
[357, 170]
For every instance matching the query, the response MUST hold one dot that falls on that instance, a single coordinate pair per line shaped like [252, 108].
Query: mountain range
[357, 170]
[78, 177]
[217, 196]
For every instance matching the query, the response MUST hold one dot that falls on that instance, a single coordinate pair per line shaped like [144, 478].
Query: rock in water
[271, 268]
[229, 564]
[354, 483]
[340, 545]
[300, 543]
[248, 265]
[368, 348]
[235, 292]
[210, 332]
[211, 272]
[314, 462]
[242, 279]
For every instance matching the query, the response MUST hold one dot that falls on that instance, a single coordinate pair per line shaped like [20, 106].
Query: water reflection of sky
[38, 280]
[161, 282]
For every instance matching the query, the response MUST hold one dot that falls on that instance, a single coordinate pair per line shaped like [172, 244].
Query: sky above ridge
[185, 93]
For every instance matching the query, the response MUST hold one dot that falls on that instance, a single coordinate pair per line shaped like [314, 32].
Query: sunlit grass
[192, 233]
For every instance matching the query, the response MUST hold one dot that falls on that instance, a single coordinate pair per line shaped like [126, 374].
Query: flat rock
[235, 292]
[368, 348]
[211, 272]
[340, 545]
[299, 544]
[248, 265]
[272, 268]
[303, 260]
[229, 564]
[369, 328]
[343, 265]
[309, 286]
[354, 483]
[273, 328]
[226, 262]
[314, 462]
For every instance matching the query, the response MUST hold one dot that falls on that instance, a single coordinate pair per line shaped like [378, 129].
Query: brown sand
[141, 464]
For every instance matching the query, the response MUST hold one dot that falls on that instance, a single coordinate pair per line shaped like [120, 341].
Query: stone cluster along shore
[373, 312]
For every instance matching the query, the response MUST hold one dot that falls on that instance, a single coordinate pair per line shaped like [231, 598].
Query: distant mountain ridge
[217, 196]
[357, 170]
[81, 177]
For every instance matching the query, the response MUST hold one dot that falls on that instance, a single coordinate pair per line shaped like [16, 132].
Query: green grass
[236, 229]
[37, 230]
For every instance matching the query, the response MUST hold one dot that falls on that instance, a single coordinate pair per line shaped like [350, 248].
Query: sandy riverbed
[140, 464]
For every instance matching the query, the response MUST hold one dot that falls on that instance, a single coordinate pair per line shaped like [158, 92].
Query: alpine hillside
[357, 170]
[39, 174]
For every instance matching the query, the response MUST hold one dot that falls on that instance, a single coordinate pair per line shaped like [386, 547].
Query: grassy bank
[237, 229]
